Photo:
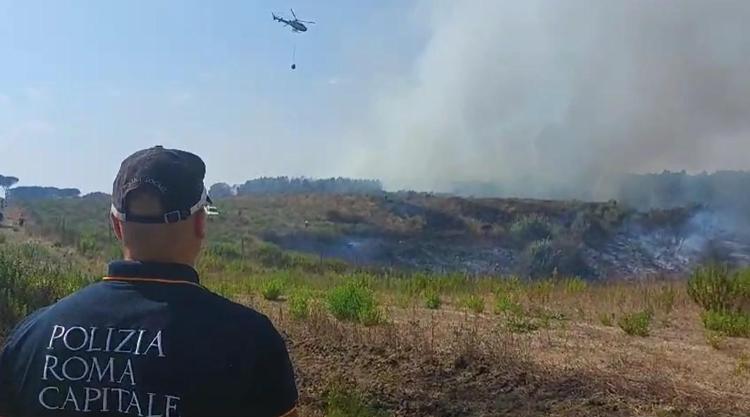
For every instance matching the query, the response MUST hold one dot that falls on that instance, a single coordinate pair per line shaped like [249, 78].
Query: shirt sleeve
[276, 388]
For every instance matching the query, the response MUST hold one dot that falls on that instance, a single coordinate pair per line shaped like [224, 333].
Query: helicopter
[296, 24]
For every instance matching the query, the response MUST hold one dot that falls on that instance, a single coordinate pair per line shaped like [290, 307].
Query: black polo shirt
[147, 341]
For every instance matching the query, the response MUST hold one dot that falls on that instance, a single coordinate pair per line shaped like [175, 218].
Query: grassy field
[377, 342]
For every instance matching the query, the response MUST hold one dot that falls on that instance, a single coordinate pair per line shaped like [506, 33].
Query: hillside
[425, 232]
[379, 344]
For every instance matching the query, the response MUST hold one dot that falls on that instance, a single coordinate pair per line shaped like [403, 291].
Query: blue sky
[531, 95]
[85, 83]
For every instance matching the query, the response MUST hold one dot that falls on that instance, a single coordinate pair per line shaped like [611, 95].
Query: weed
[636, 324]
[272, 290]
[728, 323]
[506, 303]
[354, 301]
[299, 304]
[432, 300]
[715, 339]
[473, 303]
[711, 287]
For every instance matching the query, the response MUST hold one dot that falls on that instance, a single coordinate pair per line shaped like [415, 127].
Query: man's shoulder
[239, 314]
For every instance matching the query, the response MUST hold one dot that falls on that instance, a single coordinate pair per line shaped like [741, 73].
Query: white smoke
[544, 94]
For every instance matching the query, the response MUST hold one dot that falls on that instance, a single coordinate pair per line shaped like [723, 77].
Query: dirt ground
[450, 363]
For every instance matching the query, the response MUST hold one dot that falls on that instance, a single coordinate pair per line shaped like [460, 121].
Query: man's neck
[159, 259]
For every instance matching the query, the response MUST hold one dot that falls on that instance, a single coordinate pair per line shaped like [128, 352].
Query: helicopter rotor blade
[305, 21]
[294, 15]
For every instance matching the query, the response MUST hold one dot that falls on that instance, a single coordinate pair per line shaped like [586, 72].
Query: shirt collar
[155, 270]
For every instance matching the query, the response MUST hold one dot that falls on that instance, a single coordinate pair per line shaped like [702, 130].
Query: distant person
[148, 340]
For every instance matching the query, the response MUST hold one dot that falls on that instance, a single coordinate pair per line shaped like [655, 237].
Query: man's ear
[199, 224]
[116, 226]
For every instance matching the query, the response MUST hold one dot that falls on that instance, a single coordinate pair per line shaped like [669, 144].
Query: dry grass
[428, 362]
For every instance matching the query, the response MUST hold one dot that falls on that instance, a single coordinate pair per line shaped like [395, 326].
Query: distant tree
[221, 190]
[6, 183]
[286, 185]
[42, 193]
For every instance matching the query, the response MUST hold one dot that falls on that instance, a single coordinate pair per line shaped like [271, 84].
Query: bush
[432, 300]
[711, 287]
[354, 301]
[725, 298]
[732, 324]
[299, 304]
[636, 324]
[272, 289]
[30, 278]
[531, 228]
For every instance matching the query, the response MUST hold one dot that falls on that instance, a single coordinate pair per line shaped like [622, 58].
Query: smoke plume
[546, 95]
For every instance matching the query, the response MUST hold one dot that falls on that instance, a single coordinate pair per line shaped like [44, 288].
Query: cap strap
[170, 217]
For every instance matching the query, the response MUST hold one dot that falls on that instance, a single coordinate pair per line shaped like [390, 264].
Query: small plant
[354, 301]
[715, 339]
[636, 324]
[607, 319]
[272, 290]
[432, 300]
[728, 323]
[473, 303]
[299, 304]
[506, 303]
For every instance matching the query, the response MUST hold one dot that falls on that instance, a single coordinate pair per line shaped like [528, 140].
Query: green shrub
[711, 287]
[32, 277]
[354, 301]
[473, 303]
[733, 324]
[272, 289]
[299, 304]
[432, 300]
[506, 303]
[636, 324]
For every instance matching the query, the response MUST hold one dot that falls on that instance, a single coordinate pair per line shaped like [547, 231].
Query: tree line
[297, 185]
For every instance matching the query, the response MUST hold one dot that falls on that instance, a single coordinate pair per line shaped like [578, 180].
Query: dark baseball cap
[175, 176]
